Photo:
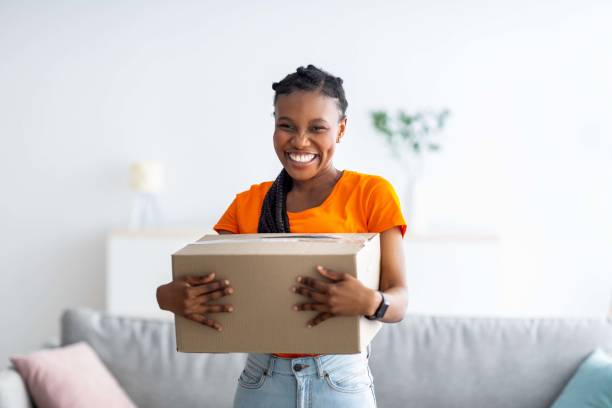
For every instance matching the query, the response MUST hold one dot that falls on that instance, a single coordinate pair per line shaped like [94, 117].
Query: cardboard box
[262, 268]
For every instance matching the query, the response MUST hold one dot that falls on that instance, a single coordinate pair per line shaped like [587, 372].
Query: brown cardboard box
[262, 268]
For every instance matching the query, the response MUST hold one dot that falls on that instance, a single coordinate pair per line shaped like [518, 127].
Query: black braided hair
[312, 78]
[273, 216]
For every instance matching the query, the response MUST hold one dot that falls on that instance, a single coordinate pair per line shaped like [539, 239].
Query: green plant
[414, 131]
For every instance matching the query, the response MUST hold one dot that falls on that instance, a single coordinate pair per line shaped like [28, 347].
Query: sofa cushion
[437, 361]
[141, 354]
[591, 385]
[70, 377]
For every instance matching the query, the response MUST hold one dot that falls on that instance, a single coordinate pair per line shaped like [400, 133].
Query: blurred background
[512, 215]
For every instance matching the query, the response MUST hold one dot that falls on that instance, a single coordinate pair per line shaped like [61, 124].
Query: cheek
[330, 151]
[328, 143]
[278, 139]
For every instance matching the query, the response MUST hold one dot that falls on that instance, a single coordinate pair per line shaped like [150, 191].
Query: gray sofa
[422, 362]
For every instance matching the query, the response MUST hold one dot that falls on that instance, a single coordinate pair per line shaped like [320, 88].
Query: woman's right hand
[188, 296]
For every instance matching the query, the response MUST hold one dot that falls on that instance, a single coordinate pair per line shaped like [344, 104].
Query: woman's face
[307, 128]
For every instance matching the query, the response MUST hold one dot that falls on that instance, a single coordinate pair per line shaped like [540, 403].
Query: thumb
[199, 280]
[333, 275]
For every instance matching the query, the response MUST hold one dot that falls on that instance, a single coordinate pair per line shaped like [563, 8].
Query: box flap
[282, 244]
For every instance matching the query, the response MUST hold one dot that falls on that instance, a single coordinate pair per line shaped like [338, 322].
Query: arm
[13, 390]
[392, 277]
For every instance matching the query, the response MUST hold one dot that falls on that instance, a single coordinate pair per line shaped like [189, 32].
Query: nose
[300, 140]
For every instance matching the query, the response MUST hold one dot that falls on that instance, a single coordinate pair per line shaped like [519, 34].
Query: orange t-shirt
[357, 203]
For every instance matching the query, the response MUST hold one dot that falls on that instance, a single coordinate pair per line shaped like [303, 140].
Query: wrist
[373, 302]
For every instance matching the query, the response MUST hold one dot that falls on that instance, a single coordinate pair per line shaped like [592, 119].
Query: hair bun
[339, 80]
[310, 66]
[301, 70]
[274, 86]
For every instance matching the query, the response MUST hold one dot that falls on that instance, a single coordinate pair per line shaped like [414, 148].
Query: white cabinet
[446, 273]
[137, 263]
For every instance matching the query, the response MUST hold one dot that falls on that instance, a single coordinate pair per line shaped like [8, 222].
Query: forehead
[307, 105]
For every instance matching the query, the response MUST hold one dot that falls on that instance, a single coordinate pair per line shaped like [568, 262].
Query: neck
[325, 178]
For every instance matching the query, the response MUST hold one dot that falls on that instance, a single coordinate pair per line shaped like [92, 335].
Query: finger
[321, 317]
[200, 318]
[319, 307]
[333, 275]
[203, 308]
[219, 308]
[216, 294]
[316, 284]
[199, 280]
[310, 293]
[209, 287]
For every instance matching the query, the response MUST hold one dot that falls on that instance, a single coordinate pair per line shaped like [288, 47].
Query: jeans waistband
[304, 366]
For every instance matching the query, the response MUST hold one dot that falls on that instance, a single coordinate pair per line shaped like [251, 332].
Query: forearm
[398, 302]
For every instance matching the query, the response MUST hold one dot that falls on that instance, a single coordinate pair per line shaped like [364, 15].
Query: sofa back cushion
[432, 362]
[423, 361]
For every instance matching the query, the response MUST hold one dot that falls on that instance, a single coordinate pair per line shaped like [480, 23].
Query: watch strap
[378, 309]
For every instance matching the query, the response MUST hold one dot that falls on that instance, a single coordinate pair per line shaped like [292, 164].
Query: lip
[300, 152]
[300, 164]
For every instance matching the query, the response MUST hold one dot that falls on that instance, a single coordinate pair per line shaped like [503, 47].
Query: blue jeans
[329, 380]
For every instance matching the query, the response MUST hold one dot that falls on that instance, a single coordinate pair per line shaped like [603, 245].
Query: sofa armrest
[13, 391]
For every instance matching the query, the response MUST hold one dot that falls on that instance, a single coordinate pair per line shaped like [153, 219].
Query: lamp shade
[147, 176]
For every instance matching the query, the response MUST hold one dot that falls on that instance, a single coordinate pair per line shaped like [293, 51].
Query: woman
[309, 195]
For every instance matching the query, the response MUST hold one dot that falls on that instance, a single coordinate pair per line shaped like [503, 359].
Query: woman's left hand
[342, 295]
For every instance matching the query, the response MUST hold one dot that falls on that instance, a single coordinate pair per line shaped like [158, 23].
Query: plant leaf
[380, 120]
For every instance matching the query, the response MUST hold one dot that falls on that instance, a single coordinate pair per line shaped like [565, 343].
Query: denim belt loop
[319, 365]
[270, 368]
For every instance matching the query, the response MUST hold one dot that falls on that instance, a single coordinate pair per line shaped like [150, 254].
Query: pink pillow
[70, 377]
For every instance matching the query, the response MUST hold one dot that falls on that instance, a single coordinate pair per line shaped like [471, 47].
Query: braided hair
[273, 216]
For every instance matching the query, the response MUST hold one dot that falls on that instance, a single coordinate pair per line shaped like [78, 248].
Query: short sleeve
[229, 220]
[383, 209]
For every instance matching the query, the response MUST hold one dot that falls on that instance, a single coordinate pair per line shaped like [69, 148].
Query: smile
[302, 158]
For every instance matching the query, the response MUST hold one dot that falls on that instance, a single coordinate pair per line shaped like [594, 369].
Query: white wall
[88, 87]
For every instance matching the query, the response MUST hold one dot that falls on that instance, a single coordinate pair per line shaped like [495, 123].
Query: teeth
[301, 157]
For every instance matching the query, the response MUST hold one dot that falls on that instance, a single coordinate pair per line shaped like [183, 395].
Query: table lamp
[146, 181]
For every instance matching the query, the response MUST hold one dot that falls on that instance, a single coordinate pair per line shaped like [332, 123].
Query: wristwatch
[382, 308]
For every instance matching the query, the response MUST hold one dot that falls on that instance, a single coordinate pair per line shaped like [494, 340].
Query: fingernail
[230, 290]
[230, 309]
[220, 329]
[295, 307]
[226, 282]
[293, 288]
[319, 267]
[299, 278]
[310, 326]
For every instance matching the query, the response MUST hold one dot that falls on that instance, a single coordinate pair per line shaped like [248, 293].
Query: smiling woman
[310, 195]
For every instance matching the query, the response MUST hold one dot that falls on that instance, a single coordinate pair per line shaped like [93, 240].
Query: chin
[300, 175]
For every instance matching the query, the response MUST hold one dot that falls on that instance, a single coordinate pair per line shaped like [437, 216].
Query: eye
[319, 128]
[284, 126]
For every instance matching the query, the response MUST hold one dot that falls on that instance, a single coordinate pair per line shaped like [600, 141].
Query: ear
[341, 129]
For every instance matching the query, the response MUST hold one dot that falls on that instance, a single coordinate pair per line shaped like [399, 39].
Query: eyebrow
[313, 120]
